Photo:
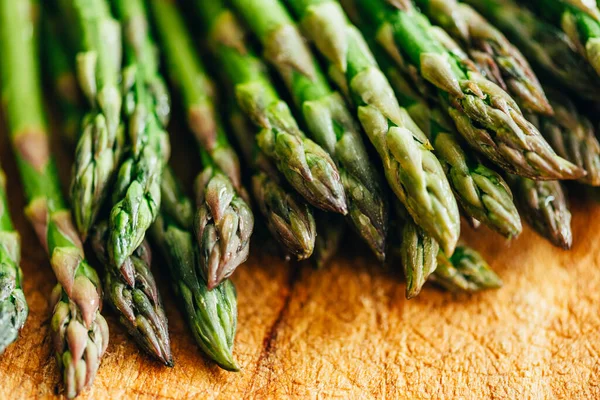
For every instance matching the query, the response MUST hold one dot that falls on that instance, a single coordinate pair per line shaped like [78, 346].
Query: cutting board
[347, 331]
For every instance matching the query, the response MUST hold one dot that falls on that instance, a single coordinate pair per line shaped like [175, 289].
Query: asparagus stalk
[484, 114]
[412, 170]
[139, 305]
[224, 222]
[418, 253]
[13, 306]
[79, 332]
[572, 135]
[545, 207]
[188, 76]
[326, 114]
[289, 218]
[306, 166]
[465, 271]
[580, 21]
[211, 314]
[502, 62]
[546, 46]
[482, 193]
[100, 143]
[136, 194]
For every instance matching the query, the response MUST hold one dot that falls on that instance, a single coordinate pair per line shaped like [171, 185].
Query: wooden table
[348, 332]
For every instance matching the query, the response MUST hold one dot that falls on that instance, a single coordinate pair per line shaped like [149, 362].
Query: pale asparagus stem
[465, 271]
[100, 144]
[328, 118]
[223, 224]
[482, 193]
[306, 166]
[412, 170]
[79, 333]
[484, 114]
[136, 193]
[501, 62]
[13, 306]
[211, 314]
[580, 20]
[546, 46]
[330, 233]
[572, 135]
[289, 219]
[545, 207]
[138, 306]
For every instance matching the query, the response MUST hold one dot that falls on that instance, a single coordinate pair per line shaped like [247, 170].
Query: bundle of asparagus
[448, 98]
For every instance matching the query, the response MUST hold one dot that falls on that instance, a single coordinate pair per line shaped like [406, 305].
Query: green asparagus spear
[223, 221]
[306, 166]
[546, 46]
[326, 114]
[465, 271]
[580, 20]
[100, 144]
[79, 332]
[211, 314]
[330, 233]
[412, 170]
[484, 114]
[289, 218]
[490, 49]
[64, 82]
[572, 135]
[13, 306]
[136, 194]
[188, 76]
[545, 207]
[482, 192]
[138, 306]
[418, 254]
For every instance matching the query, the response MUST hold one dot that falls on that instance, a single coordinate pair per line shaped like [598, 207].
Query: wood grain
[348, 332]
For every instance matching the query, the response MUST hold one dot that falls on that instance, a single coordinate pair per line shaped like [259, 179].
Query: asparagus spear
[546, 46]
[484, 114]
[100, 144]
[572, 135]
[465, 271]
[418, 252]
[306, 166]
[326, 114]
[580, 20]
[13, 306]
[139, 305]
[545, 207]
[211, 314]
[224, 222]
[79, 332]
[491, 50]
[482, 192]
[136, 194]
[289, 218]
[412, 170]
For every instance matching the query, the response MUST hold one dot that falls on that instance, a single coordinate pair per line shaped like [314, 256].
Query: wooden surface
[348, 332]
